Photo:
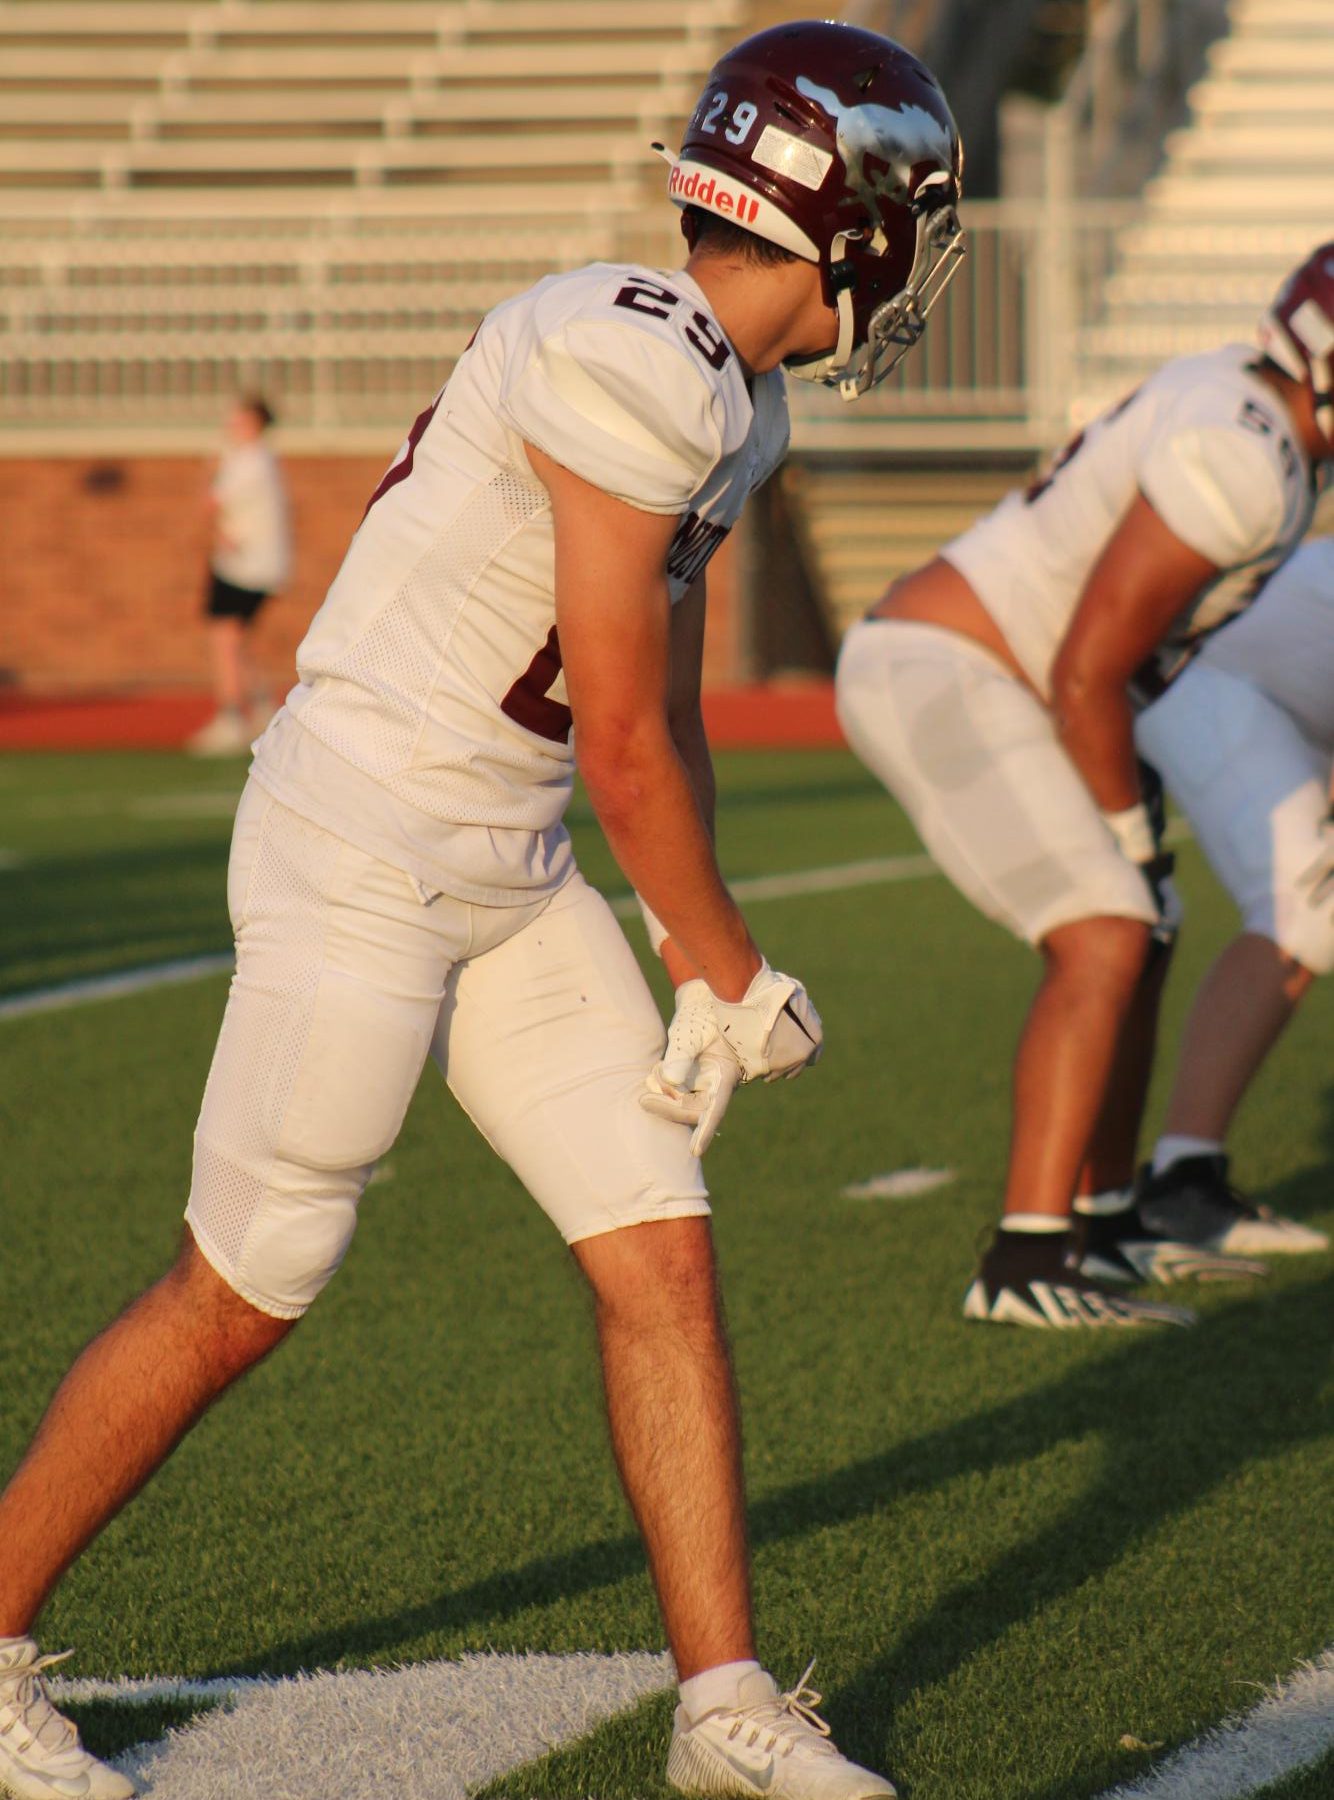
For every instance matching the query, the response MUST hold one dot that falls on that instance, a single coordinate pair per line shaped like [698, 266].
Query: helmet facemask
[861, 359]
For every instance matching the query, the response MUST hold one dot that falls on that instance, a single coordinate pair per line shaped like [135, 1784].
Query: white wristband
[1133, 832]
[657, 931]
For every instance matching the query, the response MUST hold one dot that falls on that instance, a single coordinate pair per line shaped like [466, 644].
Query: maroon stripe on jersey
[529, 701]
[400, 471]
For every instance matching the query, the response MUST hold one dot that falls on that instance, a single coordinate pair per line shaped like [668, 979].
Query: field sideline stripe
[1291, 1728]
[836, 878]
[111, 987]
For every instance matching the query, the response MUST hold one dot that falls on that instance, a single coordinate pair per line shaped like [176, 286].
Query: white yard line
[112, 987]
[831, 880]
[834, 879]
[430, 1731]
[439, 1729]
[1291, 1728]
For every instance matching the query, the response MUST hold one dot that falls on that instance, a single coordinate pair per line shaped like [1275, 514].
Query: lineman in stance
[991, 691]
[1245, 740]
[401, 883]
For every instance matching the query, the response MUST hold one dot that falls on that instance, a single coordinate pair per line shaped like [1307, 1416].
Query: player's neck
[768, 312]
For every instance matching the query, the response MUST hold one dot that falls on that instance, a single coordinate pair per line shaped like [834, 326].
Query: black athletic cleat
[1121, 1247]
[1192, 1202]
[1034, 1278]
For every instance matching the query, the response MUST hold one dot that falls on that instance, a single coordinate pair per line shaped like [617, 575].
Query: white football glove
[773, 1030]
[696, 1077]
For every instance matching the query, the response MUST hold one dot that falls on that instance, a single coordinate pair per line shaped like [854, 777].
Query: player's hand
[698, 1072]
[713, 1079]
[1158, 872]
[773, 1030]
[1317, 880]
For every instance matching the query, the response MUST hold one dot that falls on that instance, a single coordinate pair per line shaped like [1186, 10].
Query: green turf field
[1017, 1555]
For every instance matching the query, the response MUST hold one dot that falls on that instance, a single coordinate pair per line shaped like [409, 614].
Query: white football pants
[1255, 790]
[538, 1017]
[972, 756]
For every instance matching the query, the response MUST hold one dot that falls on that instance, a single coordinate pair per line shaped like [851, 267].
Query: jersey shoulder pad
[1216, 469]
[624, 382]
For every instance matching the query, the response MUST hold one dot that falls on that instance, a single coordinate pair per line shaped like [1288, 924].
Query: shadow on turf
[1171, 1406]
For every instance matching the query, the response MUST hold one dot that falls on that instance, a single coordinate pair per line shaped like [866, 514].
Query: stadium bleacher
[323, 196]
[168, 92]
[1246, 187]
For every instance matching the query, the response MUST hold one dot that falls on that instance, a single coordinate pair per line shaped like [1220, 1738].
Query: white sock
[715, 1689]
[1106, 1204]
[1172, 1149]
[1036, 1224]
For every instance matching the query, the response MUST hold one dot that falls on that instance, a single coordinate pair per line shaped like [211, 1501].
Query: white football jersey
[430, 724]
[254, 548]
[1209, 446]
[1284, 644]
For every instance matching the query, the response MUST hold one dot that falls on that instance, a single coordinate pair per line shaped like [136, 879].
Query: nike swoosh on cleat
[760, 1780]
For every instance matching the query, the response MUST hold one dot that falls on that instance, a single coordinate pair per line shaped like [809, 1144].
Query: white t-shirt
[1211, 448]
[430, 725]
[1284, 644]
[254, 548]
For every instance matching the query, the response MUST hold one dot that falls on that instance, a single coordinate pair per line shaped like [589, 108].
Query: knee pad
[275, 1241]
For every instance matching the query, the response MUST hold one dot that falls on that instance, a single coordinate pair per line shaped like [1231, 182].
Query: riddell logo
[699, 189]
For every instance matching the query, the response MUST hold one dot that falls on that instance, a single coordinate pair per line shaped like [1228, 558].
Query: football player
[402, 884]
[1245, 742]
[992, 690]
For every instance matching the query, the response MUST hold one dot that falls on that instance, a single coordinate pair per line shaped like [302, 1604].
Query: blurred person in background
[1245, 741]
[994, 692]
[250, 560]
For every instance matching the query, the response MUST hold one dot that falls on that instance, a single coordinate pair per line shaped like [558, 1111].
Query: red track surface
[768, 718]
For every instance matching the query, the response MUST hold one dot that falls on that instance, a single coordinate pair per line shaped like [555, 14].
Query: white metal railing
[135, 331]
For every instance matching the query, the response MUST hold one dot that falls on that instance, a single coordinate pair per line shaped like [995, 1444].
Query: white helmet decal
[901, 136]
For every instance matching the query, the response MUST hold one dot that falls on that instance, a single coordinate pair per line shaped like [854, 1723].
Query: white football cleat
[772, 1744]
[41, 1757]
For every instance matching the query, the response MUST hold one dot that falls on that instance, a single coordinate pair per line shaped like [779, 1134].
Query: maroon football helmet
[1297, 332]
[837, 144]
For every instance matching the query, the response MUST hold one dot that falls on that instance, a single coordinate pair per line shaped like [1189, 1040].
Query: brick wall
[102, 570]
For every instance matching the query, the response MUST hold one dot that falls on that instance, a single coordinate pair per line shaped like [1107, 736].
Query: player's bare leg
[1111, 1157]
[1030, 1274]
[671, 1404]
[226, 646]
[1066, 1056]
[124, 1405]
[1241, 1010]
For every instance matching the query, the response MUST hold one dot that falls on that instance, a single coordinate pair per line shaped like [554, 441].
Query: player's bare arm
[614, 619]
[1145, 579]
[685, 716]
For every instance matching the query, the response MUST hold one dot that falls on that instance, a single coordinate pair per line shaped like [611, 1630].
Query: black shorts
[227, 601]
